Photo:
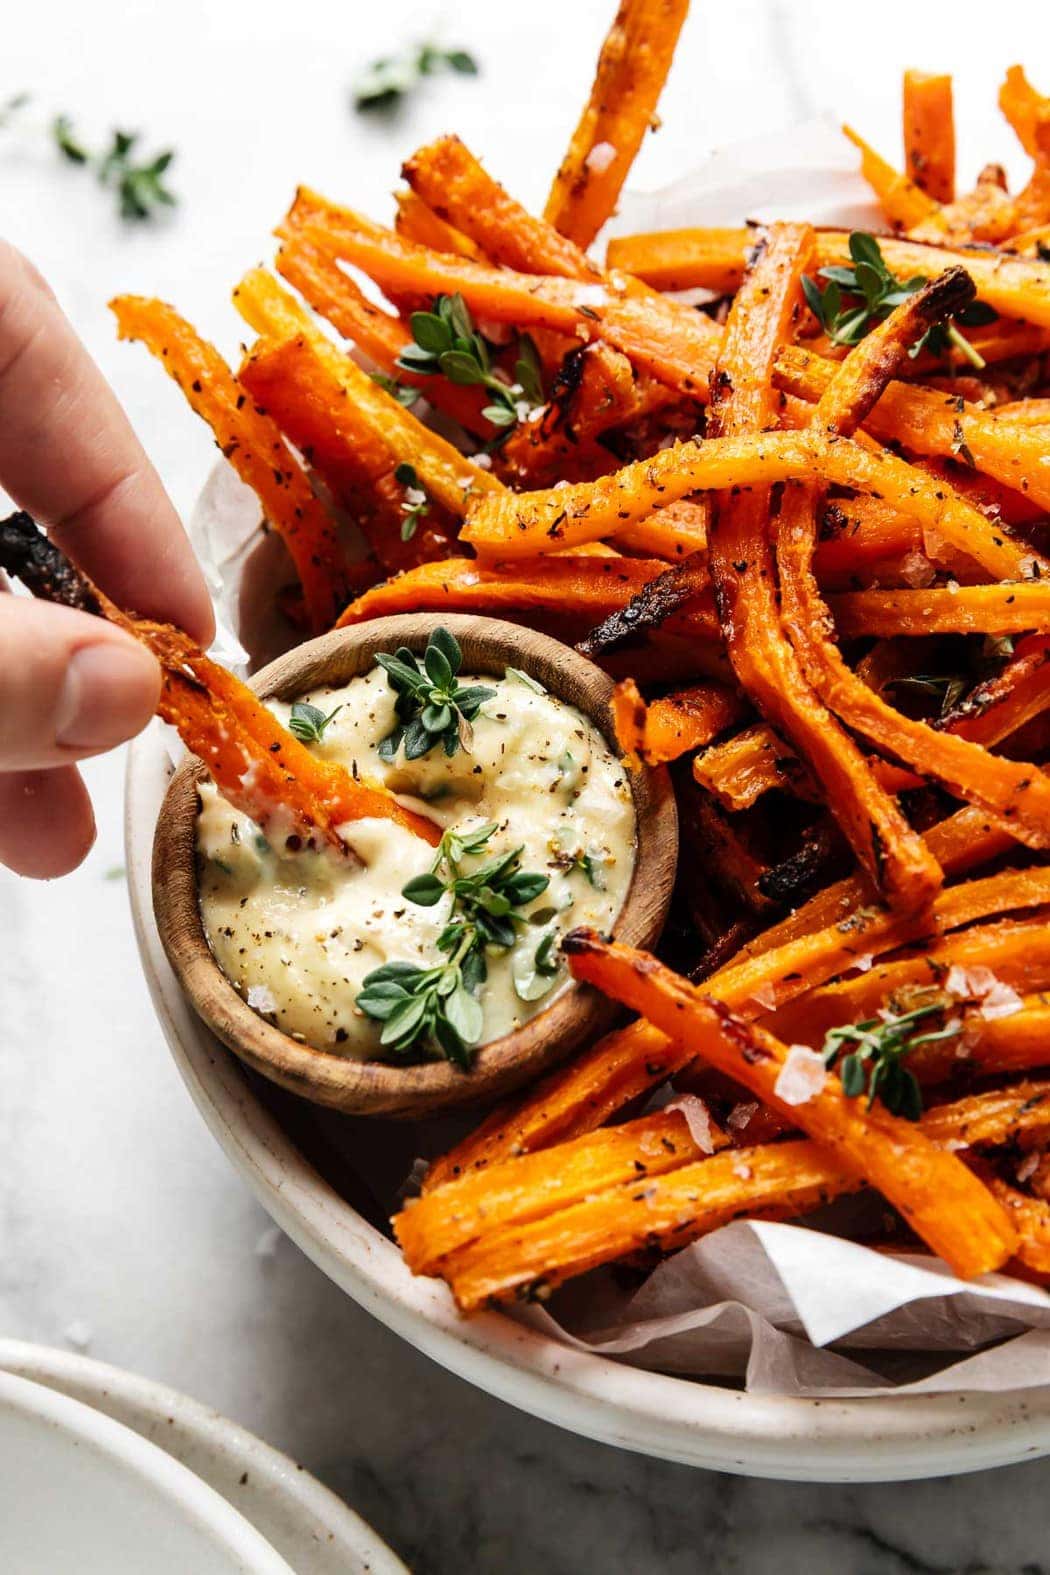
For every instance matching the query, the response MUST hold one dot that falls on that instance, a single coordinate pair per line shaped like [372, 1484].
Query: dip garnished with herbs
[406, 951]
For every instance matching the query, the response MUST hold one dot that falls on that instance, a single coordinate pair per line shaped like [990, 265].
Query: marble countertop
[123, 1230]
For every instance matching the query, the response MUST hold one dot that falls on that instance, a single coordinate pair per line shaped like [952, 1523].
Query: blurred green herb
[139, 186]
[387, 81]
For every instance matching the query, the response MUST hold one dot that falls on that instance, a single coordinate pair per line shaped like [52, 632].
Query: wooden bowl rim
[375, 1087]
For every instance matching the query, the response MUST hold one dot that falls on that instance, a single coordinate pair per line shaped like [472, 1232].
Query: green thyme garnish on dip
[388, 80]
[432, 707]
[445, 340]
[415, 502]
[854, 299]
[438, 1007]
[308, 722]
[870, 1056]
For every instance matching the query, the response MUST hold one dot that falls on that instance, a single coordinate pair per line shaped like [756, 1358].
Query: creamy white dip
[298, 933]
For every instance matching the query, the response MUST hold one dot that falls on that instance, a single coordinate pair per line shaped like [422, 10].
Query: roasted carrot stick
[443, 471]
[968, 609]
[672, 726]
[904, 203]
[253, 445]
[1020, 103]
[632, 68]
[972, 1235]
[424, 225]
[929, 133]
[1017, 287]
[258, 765]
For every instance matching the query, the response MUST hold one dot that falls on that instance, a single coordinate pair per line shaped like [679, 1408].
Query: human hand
[71, 685]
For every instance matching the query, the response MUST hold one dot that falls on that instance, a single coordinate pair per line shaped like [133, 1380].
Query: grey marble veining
[123, 1230]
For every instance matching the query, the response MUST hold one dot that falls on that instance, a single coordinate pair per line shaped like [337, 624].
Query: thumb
[70, 685]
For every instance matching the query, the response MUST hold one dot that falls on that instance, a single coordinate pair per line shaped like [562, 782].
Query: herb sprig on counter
[439, 1005]
[871, 1056]
[387, 81]
[139, 186]
[432, 707]
[445, 340]
[854, 299]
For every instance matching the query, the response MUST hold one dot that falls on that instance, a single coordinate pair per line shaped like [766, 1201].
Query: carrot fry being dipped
[256, 763]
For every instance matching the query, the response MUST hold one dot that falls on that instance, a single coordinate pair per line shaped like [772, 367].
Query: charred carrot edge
[255, 762]
[1017, 952]
[1016, 286]
[632, 68]
[740, 557]
[827, 936]
[584, 588]
[381, 336]
[252, 443]
[536, 1186]
[1020, 103]
[420, 223]
[443, 471]
[674, 725]
[929, 133]
[904, 203]
[287, 380]
[973, 1235]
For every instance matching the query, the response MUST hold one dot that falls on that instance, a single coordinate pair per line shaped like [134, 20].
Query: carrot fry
[675, 725]
[443, 471]
[904, 203]
[523, 524]
[420, 223]
[539, 1186]
[632, 68]
[382, 337]
[1030, 1218]
[289, 382]
[929, 134]
[257, 764]
[1020, 104]
[970, 609]
[752, 762]
[972, 1235]
[1016, 286]
[1018, 953]
[451, 182]
[252, 443]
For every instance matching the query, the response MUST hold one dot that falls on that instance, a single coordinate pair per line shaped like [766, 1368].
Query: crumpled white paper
[783, 1309]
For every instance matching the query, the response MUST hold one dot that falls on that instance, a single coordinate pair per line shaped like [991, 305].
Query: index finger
[69, 456]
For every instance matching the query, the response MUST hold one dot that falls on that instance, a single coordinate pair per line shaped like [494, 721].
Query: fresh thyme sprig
[876, 1060]
[415, 502]
[439, 1006]
[446, 341]
[308, 722]
[854, 299]
[386, 82]
[10, 107]
[432, 706]
[139, 187]
[404, 393]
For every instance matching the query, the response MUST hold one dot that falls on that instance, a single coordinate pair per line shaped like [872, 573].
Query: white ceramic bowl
[307, 1525]
[883, 1437]
[80, 1491]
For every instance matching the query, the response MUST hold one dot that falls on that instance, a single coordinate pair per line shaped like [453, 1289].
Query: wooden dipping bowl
[377, 1087]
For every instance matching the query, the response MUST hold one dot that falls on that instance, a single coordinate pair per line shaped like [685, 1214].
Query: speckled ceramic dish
[307, 1526]
[313, 1194]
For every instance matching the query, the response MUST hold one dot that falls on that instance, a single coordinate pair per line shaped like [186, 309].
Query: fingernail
[107, 695]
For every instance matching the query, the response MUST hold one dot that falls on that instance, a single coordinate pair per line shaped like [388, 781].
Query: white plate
[299, 1518]
[878, 1438]
[81, 1492]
